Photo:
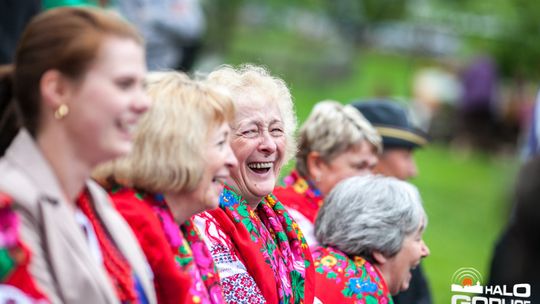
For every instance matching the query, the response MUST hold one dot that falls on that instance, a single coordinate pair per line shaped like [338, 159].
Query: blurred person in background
[14, 15]
[258, 248]
[77, 84]
[479, 126]
[335, 142]
[436, 94]
[531, 144]
[180, 159]
[515, 256]
[400, 138]
[370, 234]
[173, 30]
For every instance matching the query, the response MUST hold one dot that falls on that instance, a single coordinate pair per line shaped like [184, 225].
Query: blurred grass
[465, 195]
[467, 200]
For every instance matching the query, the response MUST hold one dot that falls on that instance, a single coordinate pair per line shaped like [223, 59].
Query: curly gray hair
[250, 78]
[364, 214]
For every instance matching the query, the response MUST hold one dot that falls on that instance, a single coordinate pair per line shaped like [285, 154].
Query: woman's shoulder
[142, 219]
[18, 185]
[352, 277]
[329, 259]
[130, 204]
[289, 197]
[26, 174]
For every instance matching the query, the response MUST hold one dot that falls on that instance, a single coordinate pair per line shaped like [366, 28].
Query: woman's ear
[54, 89]
[314, 165]
[379, 258]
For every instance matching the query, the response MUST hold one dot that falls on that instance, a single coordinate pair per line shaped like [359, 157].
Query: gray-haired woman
[370, 233]
[335, 142]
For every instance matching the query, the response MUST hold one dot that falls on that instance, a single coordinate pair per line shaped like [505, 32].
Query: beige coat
[62, 264]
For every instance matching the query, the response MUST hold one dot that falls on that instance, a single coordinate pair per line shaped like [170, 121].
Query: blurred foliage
[515, 44]
[518, 54]
[221, 18]
[517, 49]
[355, 17]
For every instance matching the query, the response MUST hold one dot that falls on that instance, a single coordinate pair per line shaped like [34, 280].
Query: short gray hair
[249, 78]
[332, 129]
[364, 214]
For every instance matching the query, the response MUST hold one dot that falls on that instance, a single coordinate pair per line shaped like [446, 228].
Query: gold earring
[61, 112]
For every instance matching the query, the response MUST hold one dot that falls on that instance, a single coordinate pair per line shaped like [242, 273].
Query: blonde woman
[181, 158]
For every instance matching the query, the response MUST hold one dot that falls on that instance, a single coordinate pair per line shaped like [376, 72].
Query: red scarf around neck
[115, 263]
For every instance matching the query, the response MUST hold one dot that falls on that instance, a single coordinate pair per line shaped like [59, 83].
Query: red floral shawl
[300, 195]
[269, 242]
[345, 280]
[185, 250]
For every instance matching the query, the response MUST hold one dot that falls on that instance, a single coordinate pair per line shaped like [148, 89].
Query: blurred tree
[518, 52]
[354, 17]
[222, 18]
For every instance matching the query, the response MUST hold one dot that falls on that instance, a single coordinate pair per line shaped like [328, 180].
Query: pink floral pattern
[196, 260]
[275, 238]
[191, 254]
[16, 283]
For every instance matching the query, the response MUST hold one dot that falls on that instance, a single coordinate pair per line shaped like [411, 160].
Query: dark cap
[393, 124]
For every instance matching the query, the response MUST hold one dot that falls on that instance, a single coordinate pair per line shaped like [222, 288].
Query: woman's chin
[264, 187]
[211, 204]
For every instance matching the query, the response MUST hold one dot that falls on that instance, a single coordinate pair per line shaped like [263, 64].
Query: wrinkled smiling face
[359, 159]
[409, 257]
[259, 142]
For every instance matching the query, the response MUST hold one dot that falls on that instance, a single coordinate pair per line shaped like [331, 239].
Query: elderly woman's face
[408, 258]
[258, 141]
[359, 159]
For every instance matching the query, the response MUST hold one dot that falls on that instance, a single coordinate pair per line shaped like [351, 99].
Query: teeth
[219, 179]
[267, 165]
[127, 126]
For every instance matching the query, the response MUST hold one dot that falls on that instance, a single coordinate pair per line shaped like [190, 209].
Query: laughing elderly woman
[336, 142]
[258, 249]
[370, 230]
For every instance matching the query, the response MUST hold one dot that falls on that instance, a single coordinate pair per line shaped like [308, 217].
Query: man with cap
[400, 138]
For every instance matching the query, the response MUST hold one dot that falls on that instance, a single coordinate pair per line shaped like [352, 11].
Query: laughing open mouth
[260, 168]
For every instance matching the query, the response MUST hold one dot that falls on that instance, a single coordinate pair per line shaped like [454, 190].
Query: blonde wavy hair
[170, 138]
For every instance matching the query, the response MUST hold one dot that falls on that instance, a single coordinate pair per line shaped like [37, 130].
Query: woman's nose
[267, 144]
[425, 249]
[230, 160]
